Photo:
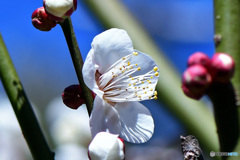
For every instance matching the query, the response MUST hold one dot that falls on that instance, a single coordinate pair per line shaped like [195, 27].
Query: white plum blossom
[120, 76]
[106, 146]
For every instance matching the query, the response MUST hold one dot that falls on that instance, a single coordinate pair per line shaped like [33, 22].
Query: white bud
[60, 9]
[106, 146]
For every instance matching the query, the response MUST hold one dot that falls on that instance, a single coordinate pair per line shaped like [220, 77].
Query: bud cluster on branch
[203, 71]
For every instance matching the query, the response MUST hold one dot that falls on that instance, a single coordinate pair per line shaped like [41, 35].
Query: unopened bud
[222, 67]
[106, 146]
[72, 96]
[42, 21]
[60, 9]
[195, 81]
[189, 93]
[199, 58]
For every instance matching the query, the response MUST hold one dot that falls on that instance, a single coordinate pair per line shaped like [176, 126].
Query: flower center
[126, 81]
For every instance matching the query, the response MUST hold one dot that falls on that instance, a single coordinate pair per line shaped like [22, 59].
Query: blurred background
[42, 60]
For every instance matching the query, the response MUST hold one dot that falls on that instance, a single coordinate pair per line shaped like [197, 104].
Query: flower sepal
[42, 21]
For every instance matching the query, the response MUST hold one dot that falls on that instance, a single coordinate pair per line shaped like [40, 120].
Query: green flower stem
[77, 60]
[226, 115]
[227, 39]
[195, 116]
[22, 107]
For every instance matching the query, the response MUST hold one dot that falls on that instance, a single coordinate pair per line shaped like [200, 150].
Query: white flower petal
[131, 78]
[136, 121]
[106, 146]
[110, 46]
[58, 7]
[104, 118]
[89, 71]
[145, 62]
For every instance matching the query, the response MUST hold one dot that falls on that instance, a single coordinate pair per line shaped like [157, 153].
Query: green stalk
[227, 39]
[194, 115]
[77, 60]
[22, 107]
[227, 32]
[226, 115]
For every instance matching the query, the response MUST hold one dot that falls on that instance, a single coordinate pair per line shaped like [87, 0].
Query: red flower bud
[195, 81]
[42, 21]
[72, 96]
[199, 58]
[191, 94]
[222, 67]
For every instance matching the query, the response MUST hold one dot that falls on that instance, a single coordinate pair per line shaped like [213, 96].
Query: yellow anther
[129, 84]
[131, 67]
[150, 97]
[142, 82]
[132, 79]
[113, 76]
[149, 82]
[134, 84]
[122, 71]
[155, 97]
[128, 63]
[120, 68]
[138, 68]
[136, 64]
[139, 96]
[127, 69]
[123, 58]
[151, 77]
[155, 68]
[151, 89]
[130, 76]
[135, 53]
[156, 74]
[145, 92]
[135, 87]
[155, 93]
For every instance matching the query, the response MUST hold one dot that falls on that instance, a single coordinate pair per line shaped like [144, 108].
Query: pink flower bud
[106, 146]
[195, 81]
[60, 9]
[199, 58]
[72, 96]
[42, 21]
[191, 94]
[222, 67]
